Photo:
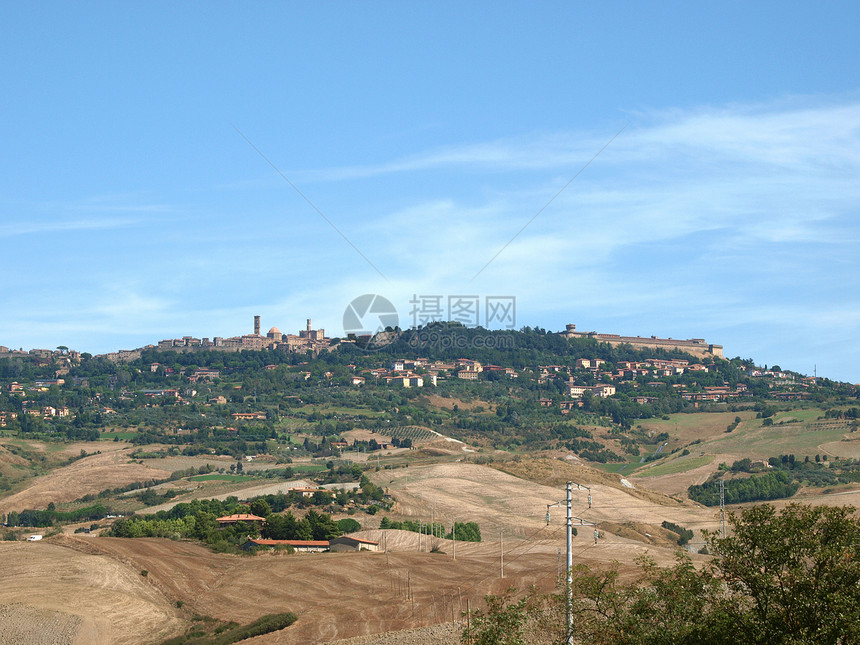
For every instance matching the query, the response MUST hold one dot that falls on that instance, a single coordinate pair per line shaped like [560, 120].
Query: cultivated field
[89, 475]
[100, 596]
[53, 594]
[69, 589]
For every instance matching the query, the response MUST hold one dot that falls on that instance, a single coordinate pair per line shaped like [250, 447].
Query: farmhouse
[346, 543]
[249, 416]
[309, 492]
[300, 546]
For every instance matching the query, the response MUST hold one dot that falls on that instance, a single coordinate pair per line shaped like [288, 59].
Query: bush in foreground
[781, 577]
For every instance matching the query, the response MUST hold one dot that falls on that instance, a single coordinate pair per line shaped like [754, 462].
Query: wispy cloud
[61, 226]
[99, 212]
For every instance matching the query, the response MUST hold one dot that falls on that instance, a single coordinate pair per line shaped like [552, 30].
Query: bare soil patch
[498, 500]
[448, 403]
[54, 627]
[216, 461]
[89, 475]
[448, 634]
[846, 449]
[686, 428]
[347, 595]
[363, 434]
[71, 596]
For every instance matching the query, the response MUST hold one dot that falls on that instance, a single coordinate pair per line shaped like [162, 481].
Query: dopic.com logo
[367, 317]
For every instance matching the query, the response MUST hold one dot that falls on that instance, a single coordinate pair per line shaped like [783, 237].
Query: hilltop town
[703, 377]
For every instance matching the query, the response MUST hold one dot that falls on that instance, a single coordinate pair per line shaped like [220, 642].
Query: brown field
[216, 461]
[222, 490]
[85, 476]
[678, 483]
[350, 594]
[90, 589]
[448, 403]
[847, 448]
[685, 428]
[78, 597]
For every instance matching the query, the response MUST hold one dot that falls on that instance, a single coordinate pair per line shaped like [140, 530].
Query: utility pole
[722, 509]
[569, 589]
[568, 503]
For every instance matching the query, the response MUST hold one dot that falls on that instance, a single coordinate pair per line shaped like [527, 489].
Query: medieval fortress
[694, 346]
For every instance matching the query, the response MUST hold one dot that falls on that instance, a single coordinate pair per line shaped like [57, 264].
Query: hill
[407, 436]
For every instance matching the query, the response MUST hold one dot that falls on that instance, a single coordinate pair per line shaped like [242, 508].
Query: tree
[261, 508]
[349, 525]
[794, 575]
[502, 624]
[322, 526]
[790, 577]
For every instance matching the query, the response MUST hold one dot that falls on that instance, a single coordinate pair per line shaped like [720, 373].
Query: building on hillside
[309, 492]
[299, 546]
[249, 416]
[229, 520]
[347, 543]
[694, 346]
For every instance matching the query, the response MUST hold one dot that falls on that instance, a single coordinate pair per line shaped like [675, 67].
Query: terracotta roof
[241, 517]
[355, 539]
[262, 542]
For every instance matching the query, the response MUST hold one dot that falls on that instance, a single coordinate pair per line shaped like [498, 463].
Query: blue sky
[132, 208]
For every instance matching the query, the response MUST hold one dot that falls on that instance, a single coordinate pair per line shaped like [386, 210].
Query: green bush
[264, 625]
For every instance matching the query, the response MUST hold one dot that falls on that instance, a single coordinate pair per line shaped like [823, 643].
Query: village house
[205, 374]
[7, 416]
[567, 406]
[230, 520]
[310, 492]
[299, 546]
[48, 382]
[643, 400]
[249, 416]
[347, 543]
[602, 390]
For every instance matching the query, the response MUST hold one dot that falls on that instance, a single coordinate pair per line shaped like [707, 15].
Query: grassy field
[618, 467]
[760, 442]
[685, 428]
[678, 465]
[306, 468]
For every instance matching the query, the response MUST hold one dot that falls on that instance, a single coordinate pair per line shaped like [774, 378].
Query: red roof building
[228, 520]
